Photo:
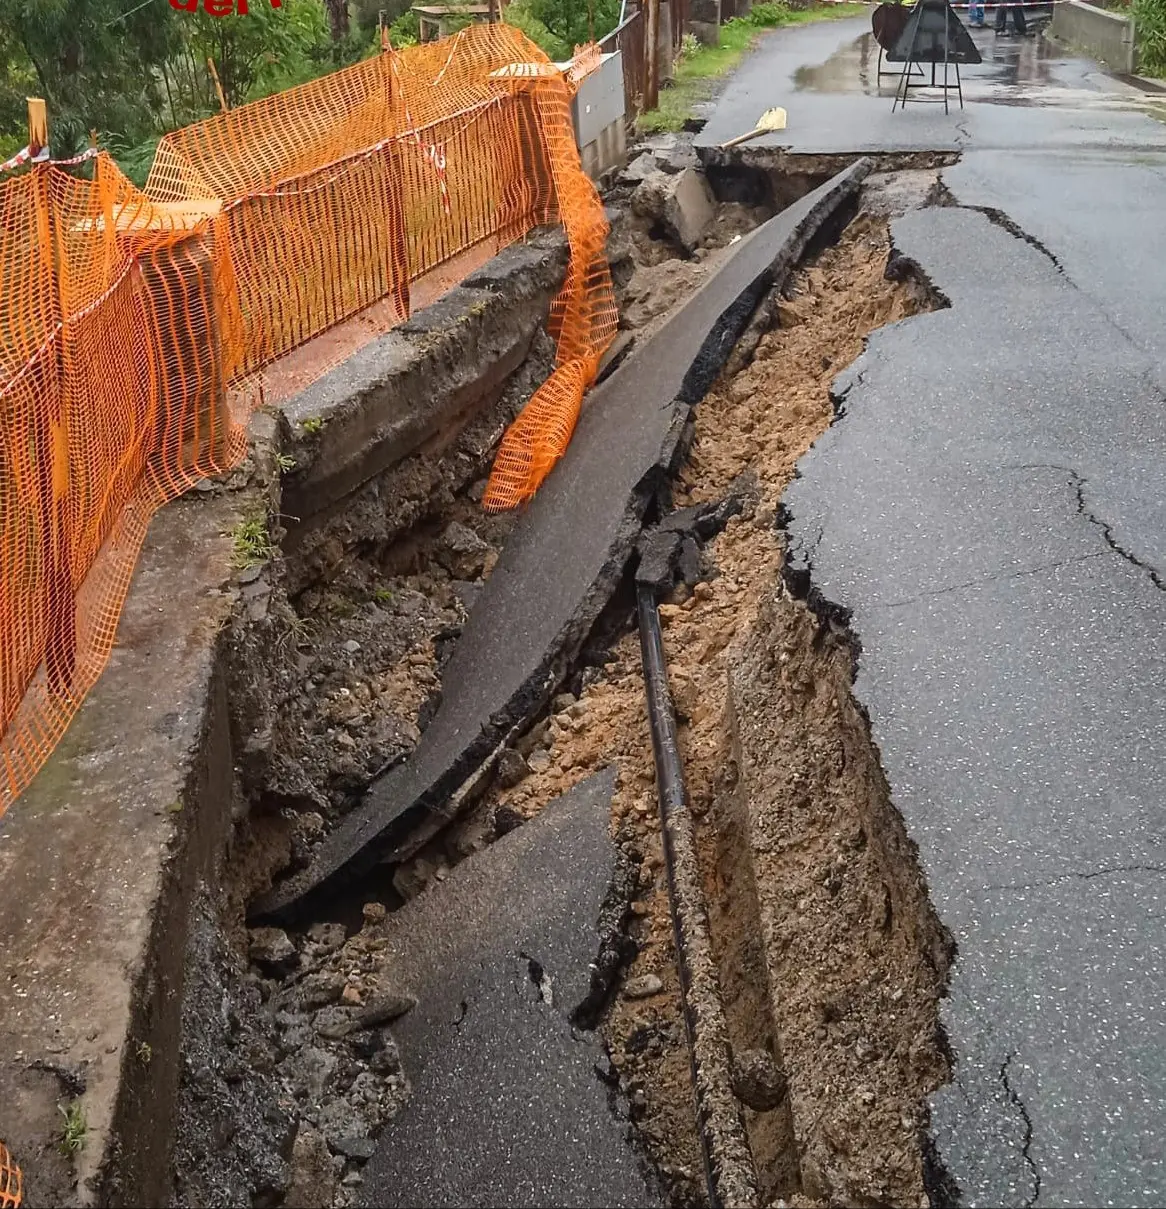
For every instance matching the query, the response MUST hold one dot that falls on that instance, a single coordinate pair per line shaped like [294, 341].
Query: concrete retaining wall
[102, 860]
[1102, 35]
[600, 122]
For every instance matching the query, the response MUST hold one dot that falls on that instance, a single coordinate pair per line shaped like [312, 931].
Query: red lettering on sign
[217, 8]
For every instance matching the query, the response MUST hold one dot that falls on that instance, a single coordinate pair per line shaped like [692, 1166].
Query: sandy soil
[852, 961]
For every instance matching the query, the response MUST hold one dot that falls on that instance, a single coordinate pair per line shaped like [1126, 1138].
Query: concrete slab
[507, 1107]
[567, 553]
[98, 865]
[982, 512]
[416, 382]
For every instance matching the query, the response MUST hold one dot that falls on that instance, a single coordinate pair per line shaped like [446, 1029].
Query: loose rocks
[462, 552]
[758, 1081]
[313, 1183]
[682, 203]
[643, 986]
[272, 950]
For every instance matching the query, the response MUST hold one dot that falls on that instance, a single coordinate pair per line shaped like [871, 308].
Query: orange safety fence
[133, 322]
[10, 1183]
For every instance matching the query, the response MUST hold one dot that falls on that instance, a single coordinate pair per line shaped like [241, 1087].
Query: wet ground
[1027, 92]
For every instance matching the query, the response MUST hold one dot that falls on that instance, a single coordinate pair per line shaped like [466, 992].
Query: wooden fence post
[652, 57]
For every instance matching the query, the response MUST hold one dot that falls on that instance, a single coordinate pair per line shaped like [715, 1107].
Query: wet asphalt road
[992, 508]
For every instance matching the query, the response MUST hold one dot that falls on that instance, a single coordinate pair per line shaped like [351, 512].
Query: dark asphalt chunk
[981, 511]
[506, 1105]
[567, 553]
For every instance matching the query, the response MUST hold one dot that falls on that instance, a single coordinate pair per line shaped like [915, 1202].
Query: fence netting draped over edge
[10, 1182]
[133, 323]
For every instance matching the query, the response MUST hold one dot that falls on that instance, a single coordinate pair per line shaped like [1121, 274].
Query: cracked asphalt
[991, 509]
[508, 1104]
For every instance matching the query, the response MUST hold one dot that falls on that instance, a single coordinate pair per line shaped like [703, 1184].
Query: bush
[405, 30]
[520, 16]
[1150, 30]
[767, 15]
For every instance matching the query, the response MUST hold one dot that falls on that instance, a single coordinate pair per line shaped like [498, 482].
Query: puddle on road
[1015, 71]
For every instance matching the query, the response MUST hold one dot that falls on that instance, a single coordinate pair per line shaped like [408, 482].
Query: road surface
[992, 509]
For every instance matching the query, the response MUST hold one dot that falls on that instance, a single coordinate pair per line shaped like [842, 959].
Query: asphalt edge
[399, 831]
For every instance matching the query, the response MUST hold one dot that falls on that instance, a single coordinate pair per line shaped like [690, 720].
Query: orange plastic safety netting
[132, 323]
[10, 1182]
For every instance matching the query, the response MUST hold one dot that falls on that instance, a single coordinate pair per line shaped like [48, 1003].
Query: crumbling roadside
[385, 588]
[830, 959]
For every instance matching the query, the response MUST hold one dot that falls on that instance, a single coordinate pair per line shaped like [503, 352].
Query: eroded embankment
[830, 958]
[337, 665]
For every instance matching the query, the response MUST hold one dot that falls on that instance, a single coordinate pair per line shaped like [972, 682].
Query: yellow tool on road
[770, 120]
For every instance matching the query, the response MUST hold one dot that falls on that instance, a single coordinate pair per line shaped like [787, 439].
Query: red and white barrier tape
[25, 156]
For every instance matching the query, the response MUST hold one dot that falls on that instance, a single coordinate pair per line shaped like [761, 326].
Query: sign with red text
[217, 8]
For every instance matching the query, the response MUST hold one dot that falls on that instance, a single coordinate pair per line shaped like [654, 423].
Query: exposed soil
[834, 961]
[372, 631]
[831, 961]
[282, 1088]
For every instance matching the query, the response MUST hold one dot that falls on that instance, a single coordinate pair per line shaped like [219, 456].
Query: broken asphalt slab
[567, 554]
[507, 1106]
[980, 510]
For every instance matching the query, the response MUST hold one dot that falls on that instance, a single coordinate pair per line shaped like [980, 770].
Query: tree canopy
[132, 69]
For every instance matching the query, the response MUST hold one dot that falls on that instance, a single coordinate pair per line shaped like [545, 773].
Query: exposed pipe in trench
[728, 1162]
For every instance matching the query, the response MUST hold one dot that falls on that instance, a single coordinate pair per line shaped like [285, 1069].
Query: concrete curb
[1102, 35]
[98, 864]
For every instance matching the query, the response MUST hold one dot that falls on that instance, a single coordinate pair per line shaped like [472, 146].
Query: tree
[265, 51]
[571, 20]
[96, 63]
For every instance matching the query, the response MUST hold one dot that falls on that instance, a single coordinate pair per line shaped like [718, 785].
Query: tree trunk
[337, 18]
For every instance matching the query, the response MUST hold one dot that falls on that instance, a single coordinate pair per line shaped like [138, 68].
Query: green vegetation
[405, 30]
[73, 1135]
[251, 543]
[568, 22]
[701, 67]
[312, 424]
[1150, 31]
[133, 71]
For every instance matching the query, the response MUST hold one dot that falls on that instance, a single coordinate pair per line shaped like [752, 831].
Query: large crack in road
[984, 516]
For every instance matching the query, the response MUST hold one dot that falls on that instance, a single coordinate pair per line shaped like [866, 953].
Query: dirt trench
[831, 961]
[830, 958]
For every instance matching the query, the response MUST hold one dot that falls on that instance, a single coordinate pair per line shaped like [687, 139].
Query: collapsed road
[566, 556]
[988, 518]
[915, 702]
